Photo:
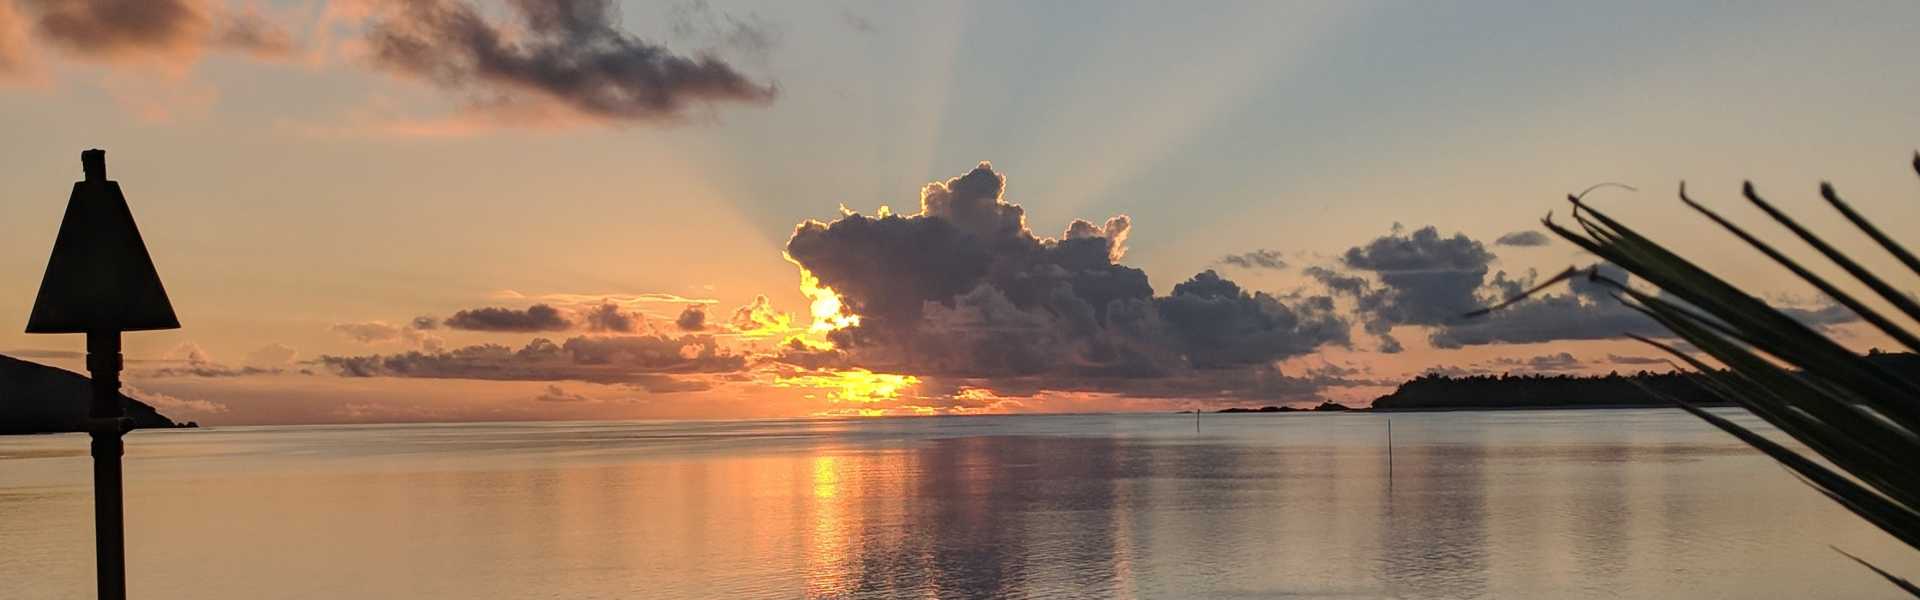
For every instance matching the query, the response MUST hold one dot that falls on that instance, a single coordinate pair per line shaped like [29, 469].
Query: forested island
[1440, 392]
[1433, 391]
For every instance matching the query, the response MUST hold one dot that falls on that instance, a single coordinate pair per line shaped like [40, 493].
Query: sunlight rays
[1113, 125]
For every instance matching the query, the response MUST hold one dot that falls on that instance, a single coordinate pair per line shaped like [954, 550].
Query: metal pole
[107, 423]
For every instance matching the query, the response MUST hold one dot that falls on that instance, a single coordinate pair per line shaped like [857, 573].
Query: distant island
[1440, 392]
[1613, 390]
[1328, 406]
[1508, 391]
[36, 398]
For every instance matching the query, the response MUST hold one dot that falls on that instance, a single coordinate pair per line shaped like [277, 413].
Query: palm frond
[1858, 421]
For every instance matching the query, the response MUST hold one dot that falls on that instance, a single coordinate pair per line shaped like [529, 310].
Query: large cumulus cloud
[965, 289]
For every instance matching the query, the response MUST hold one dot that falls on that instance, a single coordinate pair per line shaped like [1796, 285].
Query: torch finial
[94, 163]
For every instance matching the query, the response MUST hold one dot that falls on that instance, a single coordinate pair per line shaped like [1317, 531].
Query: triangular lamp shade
[100, 277]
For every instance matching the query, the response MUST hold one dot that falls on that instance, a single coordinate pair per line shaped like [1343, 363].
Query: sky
[407, 210]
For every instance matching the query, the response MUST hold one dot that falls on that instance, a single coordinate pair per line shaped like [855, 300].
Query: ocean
[1517, 504]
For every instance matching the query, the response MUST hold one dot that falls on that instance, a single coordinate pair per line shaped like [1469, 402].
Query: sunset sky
[349, 200]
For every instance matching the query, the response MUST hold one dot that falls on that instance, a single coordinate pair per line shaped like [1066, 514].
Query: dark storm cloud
[568, 51]
[964, 289]
[1525, 239]
[539, 317]
[1257, 259]
[117, 29]
[648, 361]
[692, 318]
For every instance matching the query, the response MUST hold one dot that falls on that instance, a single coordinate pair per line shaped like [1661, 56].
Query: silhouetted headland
[36, 398]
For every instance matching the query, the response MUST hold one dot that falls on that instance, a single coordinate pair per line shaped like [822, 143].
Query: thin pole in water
[1196, 421]
[1389, 450]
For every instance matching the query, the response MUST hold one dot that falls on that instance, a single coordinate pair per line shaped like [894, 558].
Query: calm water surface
[1537, 504]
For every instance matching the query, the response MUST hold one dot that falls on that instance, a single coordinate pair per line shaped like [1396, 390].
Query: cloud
[643, 360]
[379, 332]
[189, 360]
[1423, 279]
[1620, 359]
[119, 29]
[856, 22]
[1559, 361]
[963, 289]
[174, 407]
[1115, 232]
[1257, 259]
[1823, 315]
[610, 317]
[425, 323]
[272, 355]
[539, 317]
[1454, 371]
[44, 354]
[1221, 325]
[553, 393]
[749, 35]
[758, 318]
[254, 34]
[1525, 239]
[1585, 312]
[565, 53]
[171, 31]
[17, 60]
[1429, 280]
[692, 318]
[189, 352]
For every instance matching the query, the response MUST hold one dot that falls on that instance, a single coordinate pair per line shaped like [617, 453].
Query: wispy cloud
[564, 53]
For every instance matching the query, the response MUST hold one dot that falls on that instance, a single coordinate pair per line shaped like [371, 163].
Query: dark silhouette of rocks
[36, 398]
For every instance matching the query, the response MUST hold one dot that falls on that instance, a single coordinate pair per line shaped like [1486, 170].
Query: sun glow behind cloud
[854, 385]
[829, 313]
